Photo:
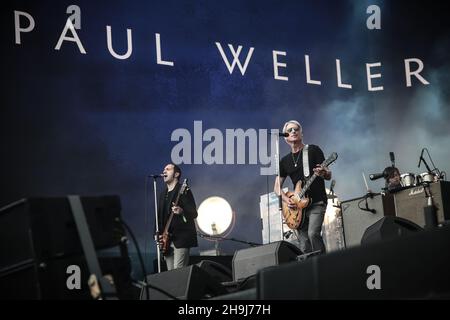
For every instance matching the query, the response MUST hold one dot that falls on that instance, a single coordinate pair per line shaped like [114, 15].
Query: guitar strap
[305, 161]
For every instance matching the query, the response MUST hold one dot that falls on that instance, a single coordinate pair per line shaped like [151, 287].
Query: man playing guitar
[299, 170]
[182, 233]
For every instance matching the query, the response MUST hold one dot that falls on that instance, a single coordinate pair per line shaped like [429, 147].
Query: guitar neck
[169, 221]
[307, 185]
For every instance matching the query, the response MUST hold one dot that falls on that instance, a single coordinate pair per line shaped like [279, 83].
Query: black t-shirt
[316, 191]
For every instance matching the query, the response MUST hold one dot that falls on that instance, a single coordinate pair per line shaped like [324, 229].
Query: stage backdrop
[96, 95]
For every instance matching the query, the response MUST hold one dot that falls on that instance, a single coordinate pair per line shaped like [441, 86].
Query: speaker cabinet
[188, 283]
[216, 270]
[48, 280]
[356, 218]
[410, 267]
[42, 229]
[410, 203]
[389, 228]
[247, 262]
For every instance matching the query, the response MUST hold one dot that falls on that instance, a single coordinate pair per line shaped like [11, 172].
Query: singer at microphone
[177, 212]
[303, 162]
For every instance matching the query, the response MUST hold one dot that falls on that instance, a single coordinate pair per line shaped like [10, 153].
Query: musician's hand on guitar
[158, 240]
[321, 171]
[177, 209]
[291, 204]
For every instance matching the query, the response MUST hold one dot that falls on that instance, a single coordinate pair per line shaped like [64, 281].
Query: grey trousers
[309, 236]
[179, 258]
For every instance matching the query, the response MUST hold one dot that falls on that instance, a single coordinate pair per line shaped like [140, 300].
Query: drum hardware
[408, 179]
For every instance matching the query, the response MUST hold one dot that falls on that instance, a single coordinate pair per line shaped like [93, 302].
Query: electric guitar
[294, 217]
[166, 236]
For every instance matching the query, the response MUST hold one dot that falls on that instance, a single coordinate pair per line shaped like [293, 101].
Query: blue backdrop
[90, 124]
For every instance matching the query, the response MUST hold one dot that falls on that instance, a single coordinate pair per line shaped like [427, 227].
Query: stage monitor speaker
[410, 267]
[48, 280]
[389, 228]
[247, 262]
[188, 283]
[355, 219]
[216, 270]
[225, 260]
[410, 203]
[42, 229]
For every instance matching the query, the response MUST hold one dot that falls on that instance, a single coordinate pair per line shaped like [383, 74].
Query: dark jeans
[309, 236]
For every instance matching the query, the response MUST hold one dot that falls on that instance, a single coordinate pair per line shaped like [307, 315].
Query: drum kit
[412, 180]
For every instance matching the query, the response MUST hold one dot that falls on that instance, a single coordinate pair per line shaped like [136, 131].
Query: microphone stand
[277, 171]
[158, 253]
[426, 164]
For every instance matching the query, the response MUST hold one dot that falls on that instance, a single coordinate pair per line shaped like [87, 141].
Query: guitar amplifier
[360, 213]
[409, 203]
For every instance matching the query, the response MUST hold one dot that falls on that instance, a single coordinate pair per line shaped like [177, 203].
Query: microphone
[375, 176]
[282, 134]
[391, 154]
[156, 176]
[421, 158]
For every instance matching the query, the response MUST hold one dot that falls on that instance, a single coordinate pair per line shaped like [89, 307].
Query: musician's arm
[323, 172]
[276, 188]
[188, 205]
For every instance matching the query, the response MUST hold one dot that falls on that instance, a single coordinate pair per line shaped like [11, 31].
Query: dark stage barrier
[409, 267]
[188, 283]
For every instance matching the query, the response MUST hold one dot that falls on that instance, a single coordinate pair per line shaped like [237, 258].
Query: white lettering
[110, 48]
[158, 52]
[415, 73]
[74, 38]
[17, 27]
[308, 73]
[372, 76]
[339, 76]
[277, 64]
[236, 60]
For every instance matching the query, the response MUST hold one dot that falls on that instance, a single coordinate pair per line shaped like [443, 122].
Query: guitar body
[294, 217]
[165, 243]
[164, 240]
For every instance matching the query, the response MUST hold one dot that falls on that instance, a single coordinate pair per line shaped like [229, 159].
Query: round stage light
[215, 216]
